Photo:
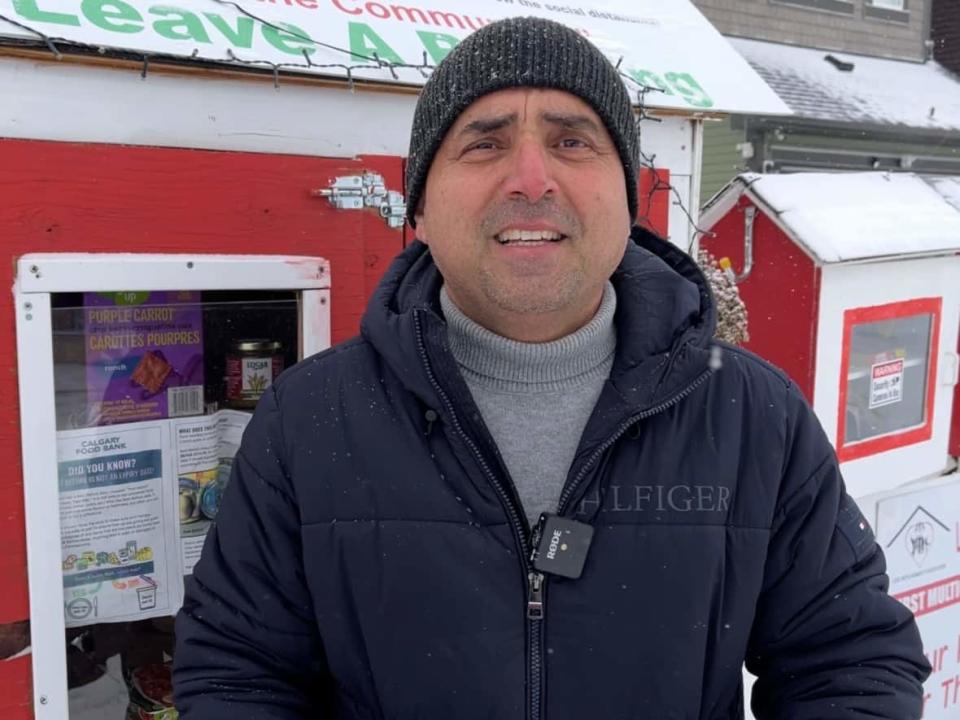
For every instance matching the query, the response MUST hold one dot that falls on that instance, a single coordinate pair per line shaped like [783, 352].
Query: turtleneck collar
[509, 365]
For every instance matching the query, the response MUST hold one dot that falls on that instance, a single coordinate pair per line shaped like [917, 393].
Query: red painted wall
[16, 688]
[70, 197]
[653, 199]
[781, 294]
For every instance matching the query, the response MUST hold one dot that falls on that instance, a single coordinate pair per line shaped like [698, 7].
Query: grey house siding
[945, 33]
[853, 27]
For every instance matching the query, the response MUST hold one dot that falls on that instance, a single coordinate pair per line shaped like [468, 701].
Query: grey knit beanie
[519, 52]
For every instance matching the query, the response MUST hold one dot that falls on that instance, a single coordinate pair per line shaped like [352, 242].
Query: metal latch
[356, 192]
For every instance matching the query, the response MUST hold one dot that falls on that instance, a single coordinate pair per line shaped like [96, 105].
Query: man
[380, 552]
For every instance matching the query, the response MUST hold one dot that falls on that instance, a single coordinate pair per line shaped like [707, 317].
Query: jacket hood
[665, 321]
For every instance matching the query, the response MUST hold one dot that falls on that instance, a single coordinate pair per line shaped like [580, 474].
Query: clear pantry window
[887, 376]
[138, 375]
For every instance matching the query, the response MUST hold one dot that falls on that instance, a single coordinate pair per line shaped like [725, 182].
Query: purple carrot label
[144, 353]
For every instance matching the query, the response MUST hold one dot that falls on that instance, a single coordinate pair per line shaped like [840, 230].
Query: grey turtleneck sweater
[535, 398]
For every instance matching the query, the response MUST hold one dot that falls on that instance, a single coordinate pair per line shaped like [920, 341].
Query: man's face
[525, 212]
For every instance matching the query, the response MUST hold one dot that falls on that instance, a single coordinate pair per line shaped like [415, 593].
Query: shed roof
[875, 91]
[847, 217]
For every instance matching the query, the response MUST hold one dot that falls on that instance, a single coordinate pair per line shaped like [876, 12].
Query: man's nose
[530, 174]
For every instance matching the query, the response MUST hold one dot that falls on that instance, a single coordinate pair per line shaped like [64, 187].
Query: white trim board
[117, 106]
[40, 275]
[98, 272]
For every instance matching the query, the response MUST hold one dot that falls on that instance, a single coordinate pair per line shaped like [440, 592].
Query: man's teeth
[527, 236]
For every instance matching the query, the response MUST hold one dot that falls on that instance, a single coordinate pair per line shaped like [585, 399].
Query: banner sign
[920, 535]
[666, 46]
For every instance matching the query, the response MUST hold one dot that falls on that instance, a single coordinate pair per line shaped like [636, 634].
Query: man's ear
[420, 231]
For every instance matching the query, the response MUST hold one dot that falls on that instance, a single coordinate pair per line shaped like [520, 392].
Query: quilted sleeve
[246, 641]
[828, 642]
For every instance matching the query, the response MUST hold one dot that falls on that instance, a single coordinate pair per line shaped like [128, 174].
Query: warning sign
[886, 383]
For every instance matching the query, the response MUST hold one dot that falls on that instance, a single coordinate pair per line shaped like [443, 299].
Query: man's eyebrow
[570, 121]
[482, 126]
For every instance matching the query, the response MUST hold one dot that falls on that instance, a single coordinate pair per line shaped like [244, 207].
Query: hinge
[356, 192]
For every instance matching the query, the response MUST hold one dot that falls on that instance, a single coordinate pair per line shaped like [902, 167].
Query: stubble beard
[531, 295]
[536, 292]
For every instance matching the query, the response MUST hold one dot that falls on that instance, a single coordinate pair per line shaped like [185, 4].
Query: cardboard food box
[144, 356]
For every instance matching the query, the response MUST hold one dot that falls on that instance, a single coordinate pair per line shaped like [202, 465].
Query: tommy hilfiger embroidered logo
[658, 498]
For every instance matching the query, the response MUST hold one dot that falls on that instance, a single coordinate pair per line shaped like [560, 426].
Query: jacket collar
[665, 320]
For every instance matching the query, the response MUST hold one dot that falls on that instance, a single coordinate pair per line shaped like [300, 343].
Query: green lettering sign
[182, 25]
[437, 44]
[293, 42]
[28, 10]
[674, 83]
[241, 36]
[650, 80]
[689, 89]
[113, 15]
[364, 42]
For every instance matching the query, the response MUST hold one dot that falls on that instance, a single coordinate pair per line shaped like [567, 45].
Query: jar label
[256, 374]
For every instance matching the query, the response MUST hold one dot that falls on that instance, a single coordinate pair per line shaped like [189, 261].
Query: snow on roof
[876, 91]
[949, 187]
[842, 217]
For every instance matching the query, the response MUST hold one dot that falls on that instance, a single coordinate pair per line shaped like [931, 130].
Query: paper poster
[116, 510]
[205, 448]
[920, 535]
[136, 501]
[886, 383]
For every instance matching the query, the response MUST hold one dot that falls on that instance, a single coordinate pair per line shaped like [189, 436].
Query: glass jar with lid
[252, 366]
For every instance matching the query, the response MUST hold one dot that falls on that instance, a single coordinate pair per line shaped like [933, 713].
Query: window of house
[844, 7]
[890, 10]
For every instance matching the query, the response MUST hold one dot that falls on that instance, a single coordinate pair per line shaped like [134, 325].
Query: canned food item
[252, 366]
[151, 693]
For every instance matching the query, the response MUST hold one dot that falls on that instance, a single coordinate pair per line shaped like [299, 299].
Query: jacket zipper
[534, 578]
[536, 581]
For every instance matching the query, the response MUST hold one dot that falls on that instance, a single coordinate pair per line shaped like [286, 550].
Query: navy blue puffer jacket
[371, 558]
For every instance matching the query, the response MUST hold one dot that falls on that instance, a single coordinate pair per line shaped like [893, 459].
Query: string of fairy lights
[361, 62]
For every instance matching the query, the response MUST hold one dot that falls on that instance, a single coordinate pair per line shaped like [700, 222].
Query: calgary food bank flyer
[116, 516]
[136, 501]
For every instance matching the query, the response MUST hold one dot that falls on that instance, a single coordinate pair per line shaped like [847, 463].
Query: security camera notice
[886, 383]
